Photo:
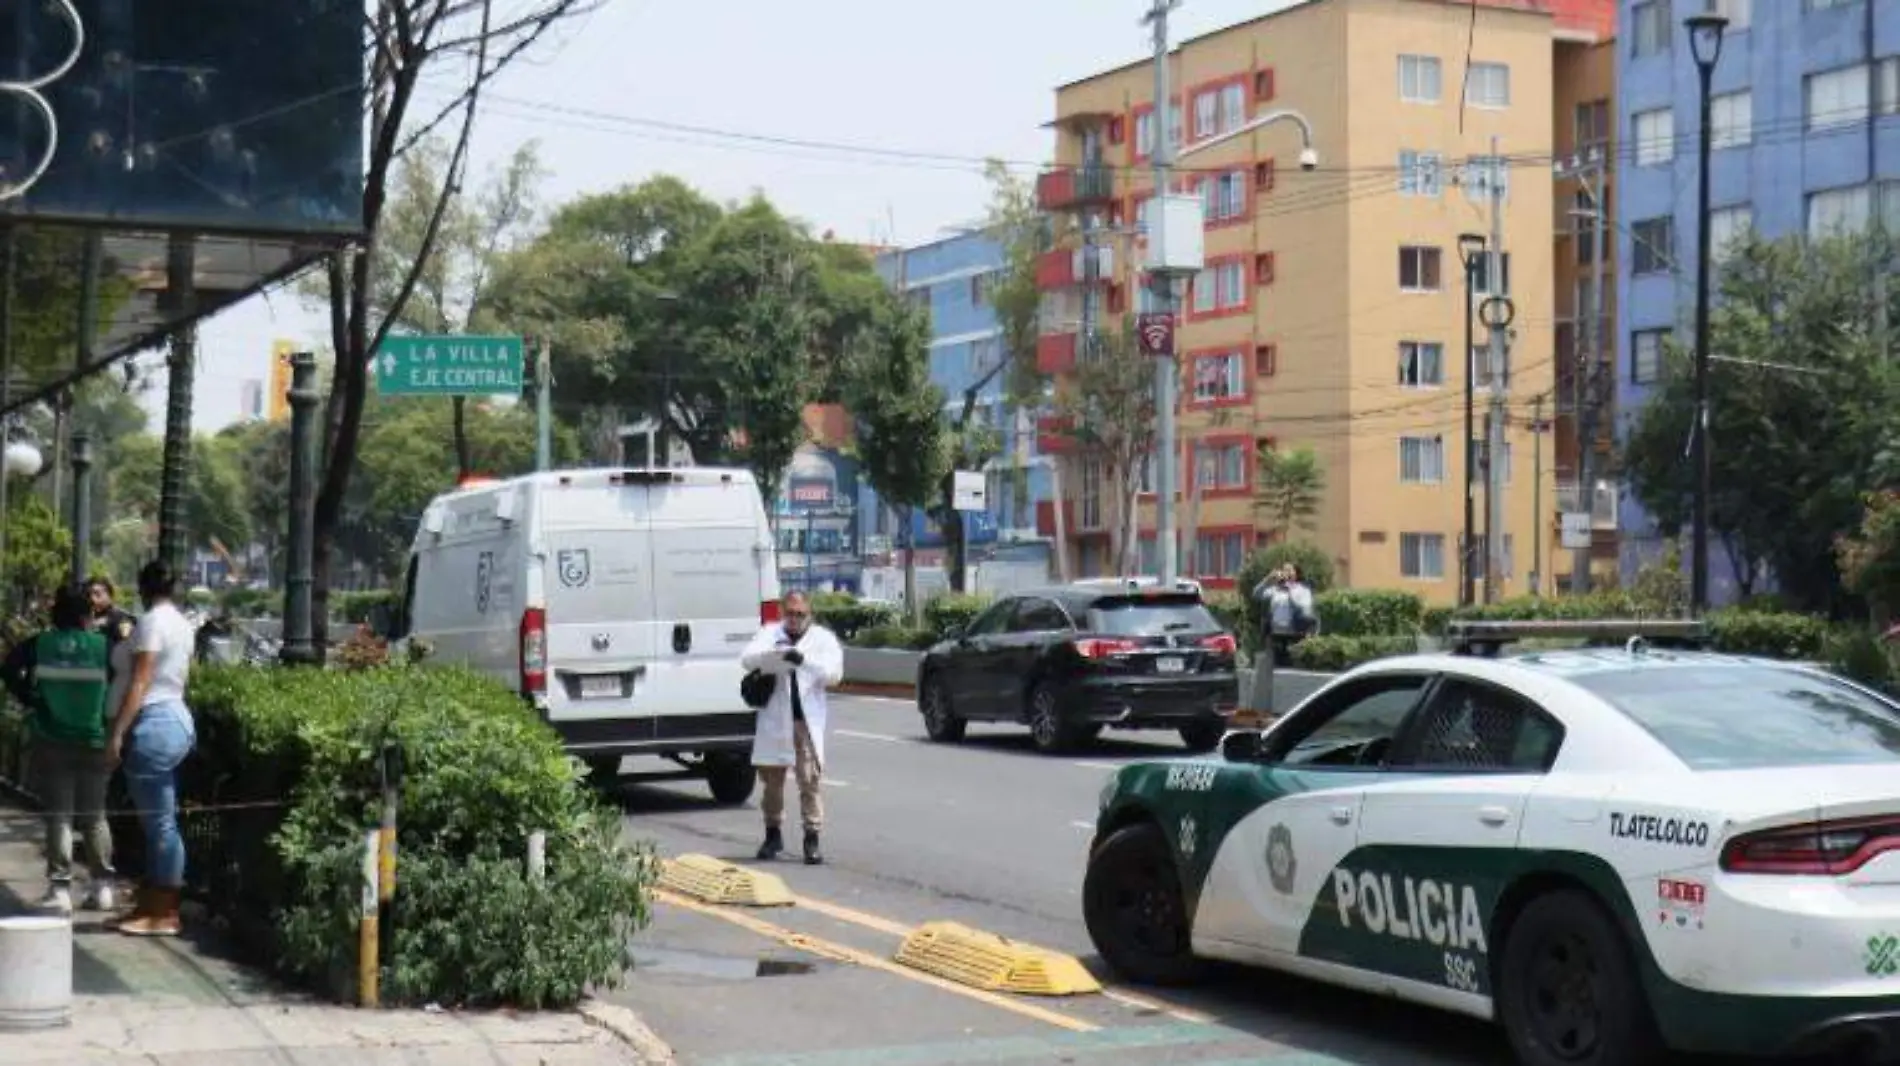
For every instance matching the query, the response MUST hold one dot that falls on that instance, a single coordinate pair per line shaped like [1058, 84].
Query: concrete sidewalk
[183, 1001]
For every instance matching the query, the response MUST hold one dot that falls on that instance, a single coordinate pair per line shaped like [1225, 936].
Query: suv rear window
[1151, 618]
[1751, 717]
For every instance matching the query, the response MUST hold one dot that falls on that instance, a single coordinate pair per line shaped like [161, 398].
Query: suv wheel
[1047, 727]
[1134, 909]
[940, 723]
[729, 775]
[1569, 994]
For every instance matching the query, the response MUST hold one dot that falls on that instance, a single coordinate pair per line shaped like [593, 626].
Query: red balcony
[1055, 353]
[1046, 517]
[1068, 188]
[1056, 269]
[1052, 435]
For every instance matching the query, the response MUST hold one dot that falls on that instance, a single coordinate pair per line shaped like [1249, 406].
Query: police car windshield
[1752, 717]
[1154, 618]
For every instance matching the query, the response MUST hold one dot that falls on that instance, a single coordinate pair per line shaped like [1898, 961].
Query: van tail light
[534, 651]
[1819, 849]
[1100, 648]
[768, 612]
[1220, 643]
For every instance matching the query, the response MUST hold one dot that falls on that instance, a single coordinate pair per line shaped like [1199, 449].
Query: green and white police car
[1613, 852]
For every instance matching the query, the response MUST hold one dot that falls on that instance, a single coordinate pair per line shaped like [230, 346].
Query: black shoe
[774, 844]
[812, 855]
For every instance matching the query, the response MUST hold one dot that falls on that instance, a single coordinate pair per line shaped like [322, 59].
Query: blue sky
[973, 79]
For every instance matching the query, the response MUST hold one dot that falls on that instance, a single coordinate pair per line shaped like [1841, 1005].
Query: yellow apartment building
[1331, 312]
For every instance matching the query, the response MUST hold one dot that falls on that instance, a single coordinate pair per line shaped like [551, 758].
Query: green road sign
[448, 366]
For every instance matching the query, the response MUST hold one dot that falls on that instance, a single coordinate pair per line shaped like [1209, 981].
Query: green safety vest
[70, 671]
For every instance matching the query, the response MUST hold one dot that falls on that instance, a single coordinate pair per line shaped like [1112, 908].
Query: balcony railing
[1063, 268]
[1055, 353]
[1603, 510]
[1067, 188]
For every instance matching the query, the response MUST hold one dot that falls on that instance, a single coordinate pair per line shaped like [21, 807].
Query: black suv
[1072, 659]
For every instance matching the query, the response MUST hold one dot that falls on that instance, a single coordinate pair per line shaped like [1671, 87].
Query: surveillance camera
[1309, 159]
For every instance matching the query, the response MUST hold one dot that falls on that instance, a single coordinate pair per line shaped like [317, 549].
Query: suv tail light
[768, 612]
[1824, 849]
[1222, 643]
[1102, 648]
[534, 650]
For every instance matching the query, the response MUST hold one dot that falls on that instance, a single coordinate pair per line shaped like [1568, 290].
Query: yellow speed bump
[709, 880]
[987, 961]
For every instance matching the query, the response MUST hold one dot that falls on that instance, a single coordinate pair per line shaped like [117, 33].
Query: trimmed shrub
[846, 615]
[894, 636]
[953, 610]
[1226, 607]
[1334, 653]
[1368, 613]
[248, 602]
[470, 926]
[1771, 635]
[356, 607]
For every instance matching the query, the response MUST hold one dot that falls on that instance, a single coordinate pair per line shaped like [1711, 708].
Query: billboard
[214, 115]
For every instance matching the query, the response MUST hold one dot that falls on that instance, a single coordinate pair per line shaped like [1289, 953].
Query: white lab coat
[823, 667]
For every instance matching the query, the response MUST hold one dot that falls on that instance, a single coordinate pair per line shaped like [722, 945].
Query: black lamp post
[1470, 248]
[1705, 44]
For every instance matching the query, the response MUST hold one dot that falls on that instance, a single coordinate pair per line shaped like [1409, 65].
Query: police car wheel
[940, 723]
[1134, 909]
[1569, 993]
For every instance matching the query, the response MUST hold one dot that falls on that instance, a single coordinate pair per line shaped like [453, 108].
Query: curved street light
[1309, 157]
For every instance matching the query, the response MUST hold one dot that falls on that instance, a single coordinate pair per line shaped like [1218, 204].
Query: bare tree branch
[562, 9]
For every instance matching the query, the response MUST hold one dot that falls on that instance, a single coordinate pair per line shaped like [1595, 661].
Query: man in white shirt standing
[804, 659]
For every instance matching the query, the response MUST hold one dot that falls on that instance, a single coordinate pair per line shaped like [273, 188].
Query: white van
[616, 601]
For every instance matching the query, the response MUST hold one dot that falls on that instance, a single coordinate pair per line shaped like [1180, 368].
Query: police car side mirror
[1242, 746]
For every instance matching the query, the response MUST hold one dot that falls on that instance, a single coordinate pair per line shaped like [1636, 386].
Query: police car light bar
[1467, 635]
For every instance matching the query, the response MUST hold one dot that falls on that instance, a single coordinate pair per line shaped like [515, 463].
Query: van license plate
[1169, 665]
[601, 686]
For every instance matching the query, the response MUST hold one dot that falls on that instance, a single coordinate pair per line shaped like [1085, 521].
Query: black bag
[756, 687]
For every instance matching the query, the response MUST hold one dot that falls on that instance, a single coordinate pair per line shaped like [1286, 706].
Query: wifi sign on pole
[1156, 330]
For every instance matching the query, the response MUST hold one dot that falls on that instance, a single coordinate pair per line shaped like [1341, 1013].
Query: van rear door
[597, 561]
[711, 552]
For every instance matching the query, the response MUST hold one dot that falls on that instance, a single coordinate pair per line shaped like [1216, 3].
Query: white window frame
[1233, 106]
[1726, 224]
[1420, 255]
[1843, 210]
[1488, 86]
[1232, 378]
[1226, 460]
[1206, 113]
[1843, 96]
[1421, 79]
[1220, 287]
[1887, 85]
[1732, 120]
[1421, 173]
[1646, 352]
[1662, 259]
[1651, 28]
[1421, 459]
[1145, 133]
[1653, 133]
[1224, 195]
[1478, 174]
[1421, 365]
[1422, 556]
[1089, 505]
[1740, 13]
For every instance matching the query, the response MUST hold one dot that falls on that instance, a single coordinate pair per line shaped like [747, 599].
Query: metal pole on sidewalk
[1165, 365]
[544, 407]
[82, 506]
[368, 932]
[300, 649]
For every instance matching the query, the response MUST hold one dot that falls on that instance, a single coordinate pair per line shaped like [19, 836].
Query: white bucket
[36, 973]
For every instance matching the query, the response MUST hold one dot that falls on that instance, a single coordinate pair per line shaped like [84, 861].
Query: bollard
[537, 856]
[36, 973]
[391, 767]
[368, 938]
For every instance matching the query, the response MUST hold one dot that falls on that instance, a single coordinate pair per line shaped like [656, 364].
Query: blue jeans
[161, 737]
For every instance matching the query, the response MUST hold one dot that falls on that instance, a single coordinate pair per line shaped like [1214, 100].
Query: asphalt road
[990, 834]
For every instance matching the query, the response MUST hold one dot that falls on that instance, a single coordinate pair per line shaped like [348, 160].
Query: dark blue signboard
[217, 115]
[979, 526]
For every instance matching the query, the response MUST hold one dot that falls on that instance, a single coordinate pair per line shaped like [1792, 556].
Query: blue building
[1806, 138]
[950, 279]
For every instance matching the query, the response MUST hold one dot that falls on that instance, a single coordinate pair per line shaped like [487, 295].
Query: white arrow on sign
[389, 365]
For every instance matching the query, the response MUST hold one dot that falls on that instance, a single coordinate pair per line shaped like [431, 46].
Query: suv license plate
[1169, 665]
[601, 686]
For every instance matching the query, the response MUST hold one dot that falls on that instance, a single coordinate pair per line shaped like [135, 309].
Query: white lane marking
[1083, 825]
[868, 736]
[831, 782]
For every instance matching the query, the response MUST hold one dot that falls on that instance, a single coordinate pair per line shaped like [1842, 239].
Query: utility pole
[544, 407]
[1590, 389]
[1537, 497]
[1470, 246]
[1494, 492]
[1163, 286]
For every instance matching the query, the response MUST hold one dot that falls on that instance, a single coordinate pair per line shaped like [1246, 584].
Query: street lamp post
[1470, 247]
[1705, 43]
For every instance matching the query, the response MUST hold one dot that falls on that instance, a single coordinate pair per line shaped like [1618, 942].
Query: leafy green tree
[1109, 410]
[39, 550]
[898, 411]
[1801, 402]
[1288, 487]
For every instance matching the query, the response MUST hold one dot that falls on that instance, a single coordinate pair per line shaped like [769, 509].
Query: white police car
[1611, 852]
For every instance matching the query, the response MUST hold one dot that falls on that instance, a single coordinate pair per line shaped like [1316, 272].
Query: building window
[1593, 124]
[1421, 173]
[1488, 85]
[1731, 120]
[1220, 377]
[1224, 196]
[1481, 273]
[1220, 287]
[1650, 28]
[1653, 245]
[1838, 97]
[1145, 133]
[1220, 554]
[1421, 460]
[1421, 364]
[1091, 494]
[1419, 269]
[1726, 225]
[1422, 556]
[1484, 173]
[1646, 348]
[1834, 212]
[1823, 5]
[1233, 107]
[1206, 113]
[1420, 79]
[1220, 466]
[1655, 135]
[1740, 13]
[1887, 86]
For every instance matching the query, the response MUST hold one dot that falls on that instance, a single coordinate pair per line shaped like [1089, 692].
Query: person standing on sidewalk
[62, 675]
[117, 625]
[806, 659]
[151, 736]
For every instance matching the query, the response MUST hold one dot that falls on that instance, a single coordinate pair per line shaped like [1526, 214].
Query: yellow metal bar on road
[985, 960]
[709, 880]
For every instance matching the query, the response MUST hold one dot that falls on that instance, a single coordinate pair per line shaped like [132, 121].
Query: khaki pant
[71, 782]
[811, 776]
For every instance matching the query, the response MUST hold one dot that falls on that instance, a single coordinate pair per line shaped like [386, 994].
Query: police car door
[1438, 843]
[1299, 819]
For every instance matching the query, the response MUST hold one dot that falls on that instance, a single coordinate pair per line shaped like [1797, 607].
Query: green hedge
[356, 607]
[847, 616]
[953, 611]
[1368, 613]
[470, 927]
[899, 637]
[1333, 653]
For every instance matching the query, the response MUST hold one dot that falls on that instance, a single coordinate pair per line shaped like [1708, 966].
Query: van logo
[603, 641]
[575, 567]
[484, 581]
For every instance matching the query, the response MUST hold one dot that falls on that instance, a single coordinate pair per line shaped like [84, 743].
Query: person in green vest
[62, 676]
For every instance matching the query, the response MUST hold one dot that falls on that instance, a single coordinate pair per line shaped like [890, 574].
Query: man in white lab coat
[805, 659]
